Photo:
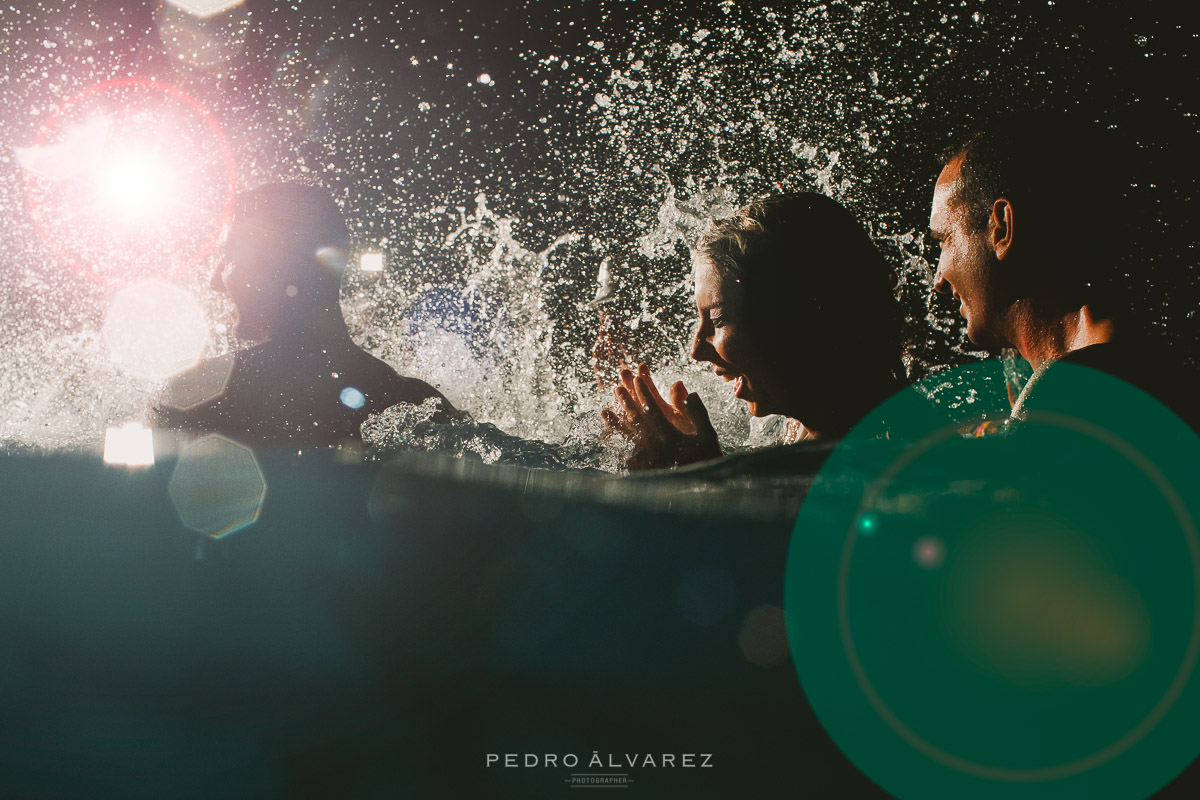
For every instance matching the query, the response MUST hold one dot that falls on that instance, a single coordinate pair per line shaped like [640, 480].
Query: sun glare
[133, 186]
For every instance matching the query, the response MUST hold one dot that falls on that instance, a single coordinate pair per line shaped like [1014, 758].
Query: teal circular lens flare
[1013, 616]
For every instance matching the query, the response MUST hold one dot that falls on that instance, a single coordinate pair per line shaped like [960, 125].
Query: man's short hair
[290, 233]
[1067, 184]
[292, 216]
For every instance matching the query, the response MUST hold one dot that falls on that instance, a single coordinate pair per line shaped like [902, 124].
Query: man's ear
[1001, 228]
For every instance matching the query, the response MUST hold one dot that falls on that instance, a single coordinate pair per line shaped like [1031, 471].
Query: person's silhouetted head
[796, 306]
[286, 253]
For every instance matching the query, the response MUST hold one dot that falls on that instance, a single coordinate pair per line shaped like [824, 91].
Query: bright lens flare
[133, 186]
[130, 445]
[129, 179]
[154, 330]
[205, 8]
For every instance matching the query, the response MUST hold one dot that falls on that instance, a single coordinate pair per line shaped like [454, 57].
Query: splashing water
[519, 217]
[406, 427]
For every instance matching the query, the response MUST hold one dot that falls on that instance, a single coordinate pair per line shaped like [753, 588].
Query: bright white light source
[371, 262]
[130, 445]
[486, 79]
[205, 8]
[133, 185]
[154, 329]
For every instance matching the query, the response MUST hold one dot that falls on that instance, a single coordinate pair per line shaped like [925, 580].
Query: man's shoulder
[1136, 360]
[1110, 355]
[198, 385]
[1151, 366]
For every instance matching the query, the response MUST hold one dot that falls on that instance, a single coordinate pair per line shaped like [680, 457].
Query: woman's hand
[663, 434]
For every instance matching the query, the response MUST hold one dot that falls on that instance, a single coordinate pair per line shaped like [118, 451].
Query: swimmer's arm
[417, 391]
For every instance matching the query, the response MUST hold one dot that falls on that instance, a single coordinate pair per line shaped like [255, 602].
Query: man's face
[239, 281]
[966, 267]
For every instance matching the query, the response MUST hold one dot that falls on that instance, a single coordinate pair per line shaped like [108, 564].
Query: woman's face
[723, 340]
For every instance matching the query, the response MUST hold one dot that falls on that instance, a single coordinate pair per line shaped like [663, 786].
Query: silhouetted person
[1033, 222]
[307, 383]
